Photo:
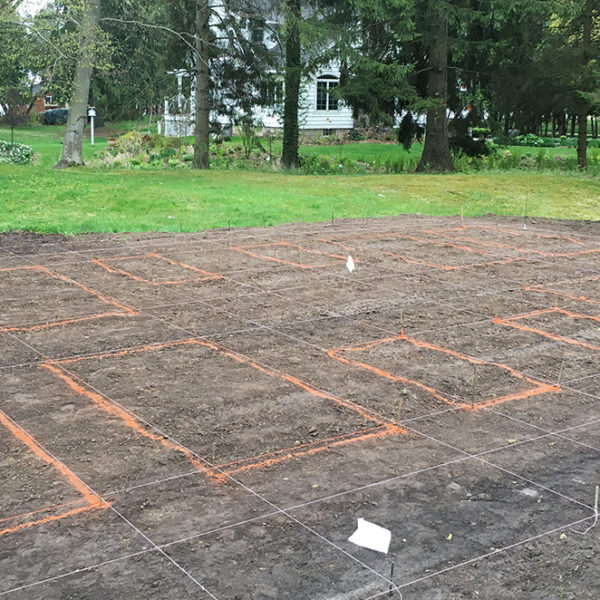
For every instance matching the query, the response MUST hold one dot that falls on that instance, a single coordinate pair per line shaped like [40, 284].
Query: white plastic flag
[350, 263]
[369, 535]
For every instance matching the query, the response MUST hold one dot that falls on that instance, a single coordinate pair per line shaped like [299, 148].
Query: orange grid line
[94, 502]
[126, 310]
[510, 322]
[207, 275]
[442, 267]
[538, 387]
[542, 288]
[248, 250]
[465, 228]
[416, 261]
[219, 473]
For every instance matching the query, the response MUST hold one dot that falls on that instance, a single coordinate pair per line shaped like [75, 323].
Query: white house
[320, 112]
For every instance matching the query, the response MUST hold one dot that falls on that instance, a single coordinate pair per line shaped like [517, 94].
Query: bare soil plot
[207, 415]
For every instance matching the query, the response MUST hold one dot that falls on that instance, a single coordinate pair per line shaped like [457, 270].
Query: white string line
[169, 558]
[162, 433]
[376, 224]
[139, 417]
[20, 365]
[580, 379]
[490, 463]
[466, 456]
[162, 480]
[595, 516]
[76, 571]
[84, 317]
[128, 522]
[484, 556]
[560, 433]
[583, 393]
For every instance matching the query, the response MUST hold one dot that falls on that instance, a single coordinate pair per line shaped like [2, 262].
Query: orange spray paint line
[206, 275]
[537, 387]
[94, 502]
[511, 322]
[249, 250]
[220, 472]
[125, 310]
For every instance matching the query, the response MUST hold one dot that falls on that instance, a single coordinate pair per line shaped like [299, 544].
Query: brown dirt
[206, 415]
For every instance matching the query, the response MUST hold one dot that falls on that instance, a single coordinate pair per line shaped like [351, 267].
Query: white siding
[311, 118]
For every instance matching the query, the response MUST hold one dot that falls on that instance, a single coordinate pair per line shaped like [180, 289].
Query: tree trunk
[72, 152]
[436, 151]
[582, 139]
[584, 107]
[293, 72]
[202, 92]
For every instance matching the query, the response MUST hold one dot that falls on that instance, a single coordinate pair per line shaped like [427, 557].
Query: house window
[271, 92]
[325, 100]
[257, 31]
[48, 99]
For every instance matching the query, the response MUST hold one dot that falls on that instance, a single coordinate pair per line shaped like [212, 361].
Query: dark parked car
[56, 116]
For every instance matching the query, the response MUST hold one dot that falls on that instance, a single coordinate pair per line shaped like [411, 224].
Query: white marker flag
[350, 263]
[369, 535]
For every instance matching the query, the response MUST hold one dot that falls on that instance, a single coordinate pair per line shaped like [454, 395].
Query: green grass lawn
[38, 198]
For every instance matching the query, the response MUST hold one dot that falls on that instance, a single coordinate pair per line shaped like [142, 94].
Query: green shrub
[19, 154]
[481, 132]
[132, 143]
[355, 136]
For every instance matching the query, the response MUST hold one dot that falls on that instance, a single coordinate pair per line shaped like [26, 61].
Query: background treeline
[492, 67]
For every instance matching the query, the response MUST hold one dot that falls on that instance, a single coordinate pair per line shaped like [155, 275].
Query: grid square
[143, 267]
[286, 253]
[586, 289]
[417, 250]
[464, 381]
[56, 291]
[588, 332]
[520, 242]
